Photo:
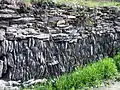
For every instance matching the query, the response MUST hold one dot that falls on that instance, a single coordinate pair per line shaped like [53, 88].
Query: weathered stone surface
[14, 2]
[41, 42]
[60, 22]
[33, 82]
[1, 68]
[10, 85]
[2, 34]
[5, 11]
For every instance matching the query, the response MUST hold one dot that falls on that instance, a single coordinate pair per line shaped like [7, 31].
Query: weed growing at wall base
[91, 75]
[117, 61]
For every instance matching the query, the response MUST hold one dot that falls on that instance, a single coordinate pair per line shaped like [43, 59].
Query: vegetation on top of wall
[91, 75]
[89, 3]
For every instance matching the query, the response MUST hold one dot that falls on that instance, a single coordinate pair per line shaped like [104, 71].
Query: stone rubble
[17, 85]
[8, 85]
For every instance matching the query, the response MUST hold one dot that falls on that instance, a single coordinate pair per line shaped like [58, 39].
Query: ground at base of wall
[114, 86]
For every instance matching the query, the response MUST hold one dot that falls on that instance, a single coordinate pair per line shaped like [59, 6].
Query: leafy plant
[117, 61]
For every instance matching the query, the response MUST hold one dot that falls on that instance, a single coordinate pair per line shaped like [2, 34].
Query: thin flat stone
[9, 16]
[5, 11]
[71, 17]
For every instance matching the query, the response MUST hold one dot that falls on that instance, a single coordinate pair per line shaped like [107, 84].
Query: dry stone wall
[45, 41]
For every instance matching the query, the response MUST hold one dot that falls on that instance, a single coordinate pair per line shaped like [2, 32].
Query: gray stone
[2, 87]
[37, 81]
[60, 22]
[71, 17]
[62, 26]
[2, 34]
[117, 23]
[118, 13]
[13, 83]
[9, 16]
[13, 2]
[5, 11]
[1, 68]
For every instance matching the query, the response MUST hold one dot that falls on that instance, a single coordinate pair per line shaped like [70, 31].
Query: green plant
[91, 75]
[117, 61]
[89, 3]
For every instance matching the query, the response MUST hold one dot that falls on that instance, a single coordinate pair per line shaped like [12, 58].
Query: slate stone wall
[45, 41]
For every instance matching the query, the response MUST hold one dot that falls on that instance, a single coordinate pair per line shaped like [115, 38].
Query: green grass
[117, 61]
[27, 1]
[90, 76]
[89, 3]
